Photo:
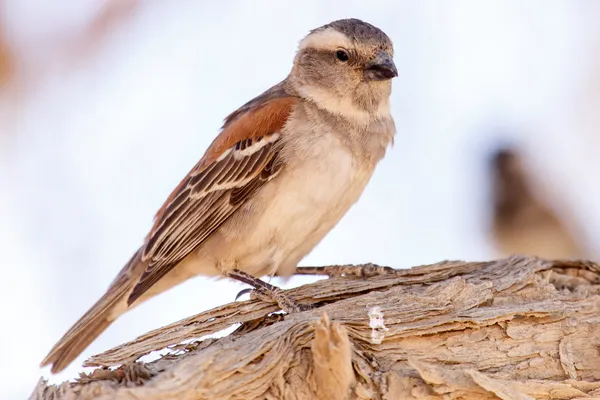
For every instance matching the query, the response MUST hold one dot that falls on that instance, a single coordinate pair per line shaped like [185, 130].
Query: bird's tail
[94, 321]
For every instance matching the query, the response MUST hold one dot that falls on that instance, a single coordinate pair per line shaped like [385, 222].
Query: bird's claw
[267, 292]
[243, 292]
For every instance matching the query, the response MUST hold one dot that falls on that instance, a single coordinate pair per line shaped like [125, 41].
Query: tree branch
[517, 328]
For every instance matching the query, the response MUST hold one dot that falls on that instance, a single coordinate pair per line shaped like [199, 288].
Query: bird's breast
[293, 212]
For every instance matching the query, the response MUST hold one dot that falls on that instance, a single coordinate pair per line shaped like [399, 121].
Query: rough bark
[517, 328]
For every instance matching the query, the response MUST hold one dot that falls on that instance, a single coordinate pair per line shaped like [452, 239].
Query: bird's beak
[381, 67]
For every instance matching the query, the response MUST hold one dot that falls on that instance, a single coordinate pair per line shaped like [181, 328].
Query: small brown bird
[525, 220]
[285, 168]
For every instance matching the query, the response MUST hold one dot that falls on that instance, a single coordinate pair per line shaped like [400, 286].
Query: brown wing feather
[239, 195]
[237, 163]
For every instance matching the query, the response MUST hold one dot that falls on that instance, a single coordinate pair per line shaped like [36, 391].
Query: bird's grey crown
[357, 30]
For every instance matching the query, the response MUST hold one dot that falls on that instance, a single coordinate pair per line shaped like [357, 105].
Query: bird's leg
[267, 292]
[363, 270]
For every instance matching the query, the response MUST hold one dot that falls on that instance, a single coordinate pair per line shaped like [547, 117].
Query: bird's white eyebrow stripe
[326, 39]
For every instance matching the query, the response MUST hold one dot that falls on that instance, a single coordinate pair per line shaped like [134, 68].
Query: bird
[284, 169]
[523, 217]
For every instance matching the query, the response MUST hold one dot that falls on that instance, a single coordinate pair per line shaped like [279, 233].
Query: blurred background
[106, 104]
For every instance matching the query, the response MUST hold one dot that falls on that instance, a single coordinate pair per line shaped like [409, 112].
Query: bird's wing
[238, 162]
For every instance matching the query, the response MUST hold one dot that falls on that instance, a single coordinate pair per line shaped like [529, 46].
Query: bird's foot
[286, 303]
[364, 270]
[267, 292]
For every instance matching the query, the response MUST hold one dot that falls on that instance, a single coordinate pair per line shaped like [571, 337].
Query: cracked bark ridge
[516, 328]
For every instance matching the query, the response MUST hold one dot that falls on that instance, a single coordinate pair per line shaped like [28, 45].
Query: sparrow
[284, 169]
[524, 219]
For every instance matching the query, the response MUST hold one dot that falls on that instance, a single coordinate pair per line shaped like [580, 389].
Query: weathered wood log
[517, 328]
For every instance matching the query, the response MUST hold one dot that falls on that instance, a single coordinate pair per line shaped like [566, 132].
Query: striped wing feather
[242, 158]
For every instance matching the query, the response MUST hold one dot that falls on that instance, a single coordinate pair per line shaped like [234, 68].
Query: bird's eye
[342, 55]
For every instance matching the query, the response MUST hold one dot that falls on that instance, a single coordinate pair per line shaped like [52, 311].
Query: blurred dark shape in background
[524, 221]
[6, 60]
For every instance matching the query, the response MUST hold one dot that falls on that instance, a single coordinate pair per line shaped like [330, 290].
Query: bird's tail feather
[95, 321]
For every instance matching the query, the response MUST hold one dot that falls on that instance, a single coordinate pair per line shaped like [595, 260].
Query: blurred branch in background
[33, 49]
[524, 220]
[108, 17]
[6, 59]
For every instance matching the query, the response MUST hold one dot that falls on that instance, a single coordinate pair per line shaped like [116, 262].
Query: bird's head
[346, 67]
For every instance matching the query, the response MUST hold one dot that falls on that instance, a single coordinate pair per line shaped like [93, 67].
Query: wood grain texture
[516, 328]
